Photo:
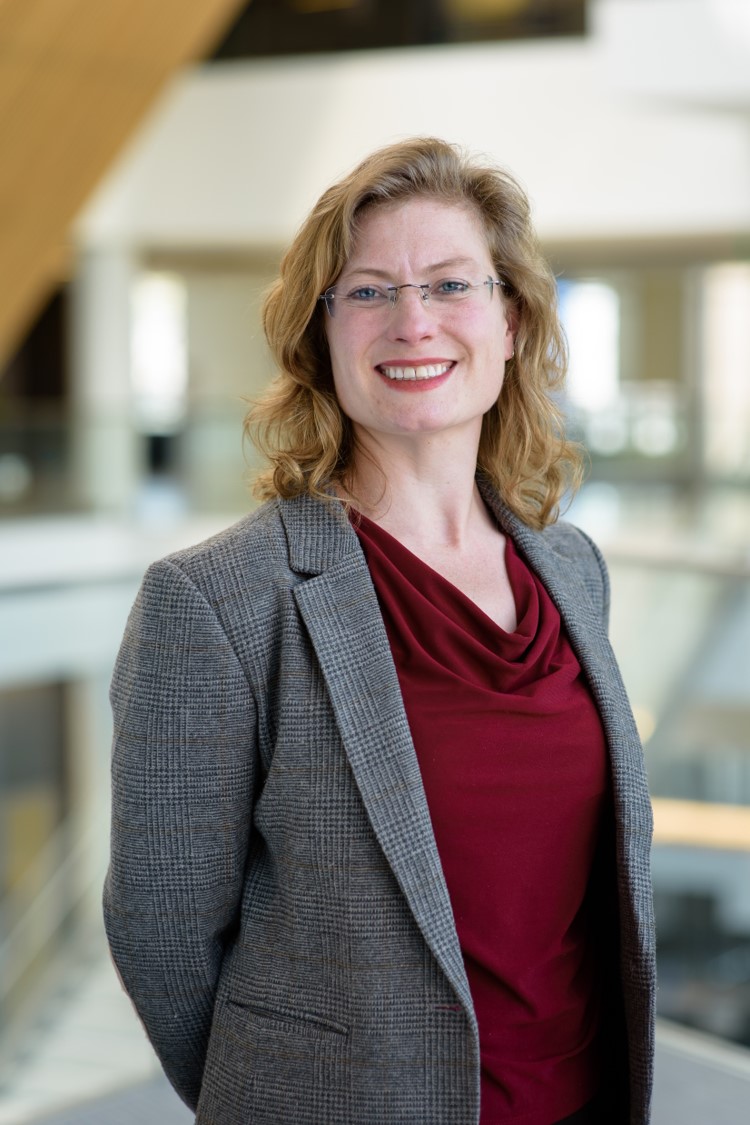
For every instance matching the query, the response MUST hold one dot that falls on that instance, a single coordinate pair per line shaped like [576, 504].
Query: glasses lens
[452, 290]
[364, 297]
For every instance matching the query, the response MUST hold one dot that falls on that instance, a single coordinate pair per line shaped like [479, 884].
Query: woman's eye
[366, 294]
[451, 287]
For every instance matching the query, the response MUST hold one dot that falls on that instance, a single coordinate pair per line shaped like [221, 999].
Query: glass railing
[681, 629]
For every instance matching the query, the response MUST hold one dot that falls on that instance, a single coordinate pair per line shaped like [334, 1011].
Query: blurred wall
[236, 153]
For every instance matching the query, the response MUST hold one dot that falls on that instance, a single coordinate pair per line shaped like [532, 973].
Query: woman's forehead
[433, 231]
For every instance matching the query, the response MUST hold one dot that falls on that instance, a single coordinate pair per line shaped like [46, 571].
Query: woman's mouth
[419, 372]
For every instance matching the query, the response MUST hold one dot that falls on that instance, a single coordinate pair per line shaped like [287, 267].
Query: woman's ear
[511, 327]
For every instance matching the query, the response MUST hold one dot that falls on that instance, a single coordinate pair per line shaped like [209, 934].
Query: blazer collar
[318, 533]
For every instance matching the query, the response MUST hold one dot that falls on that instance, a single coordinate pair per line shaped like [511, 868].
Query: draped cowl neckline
[451, 630]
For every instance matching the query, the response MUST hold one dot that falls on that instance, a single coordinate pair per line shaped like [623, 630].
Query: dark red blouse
[513, 760]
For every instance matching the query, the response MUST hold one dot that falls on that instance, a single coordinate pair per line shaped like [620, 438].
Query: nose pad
[422, 290]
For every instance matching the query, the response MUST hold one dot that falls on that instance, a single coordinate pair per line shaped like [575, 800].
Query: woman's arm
[184, 765]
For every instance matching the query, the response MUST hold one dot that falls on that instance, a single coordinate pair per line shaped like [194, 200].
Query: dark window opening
[293, 27]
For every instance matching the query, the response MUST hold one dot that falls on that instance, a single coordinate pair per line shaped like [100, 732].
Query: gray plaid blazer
[275, 903]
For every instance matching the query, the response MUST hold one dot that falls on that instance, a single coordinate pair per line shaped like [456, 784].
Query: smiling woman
[380, 815]
[308, 440]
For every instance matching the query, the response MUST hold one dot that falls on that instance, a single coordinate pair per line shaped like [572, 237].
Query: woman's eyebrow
[447, 263]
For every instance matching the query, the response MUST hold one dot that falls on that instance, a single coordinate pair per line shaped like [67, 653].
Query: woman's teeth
[428, 371]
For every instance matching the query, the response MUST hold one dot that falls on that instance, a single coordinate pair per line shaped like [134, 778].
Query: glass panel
[629, 388]
[726, 369]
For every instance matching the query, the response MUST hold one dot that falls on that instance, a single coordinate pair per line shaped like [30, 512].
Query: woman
[381, 828]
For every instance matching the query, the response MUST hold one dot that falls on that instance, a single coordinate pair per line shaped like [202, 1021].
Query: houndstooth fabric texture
[275, 903]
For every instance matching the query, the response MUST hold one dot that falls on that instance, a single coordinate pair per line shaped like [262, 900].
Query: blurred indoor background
[155, 159]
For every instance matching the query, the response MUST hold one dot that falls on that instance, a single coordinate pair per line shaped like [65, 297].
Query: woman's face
[420, 368]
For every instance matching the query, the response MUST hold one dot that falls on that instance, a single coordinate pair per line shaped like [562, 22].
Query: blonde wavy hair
[298, 424]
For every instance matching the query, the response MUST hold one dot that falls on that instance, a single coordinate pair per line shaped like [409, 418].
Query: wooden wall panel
[76, 77]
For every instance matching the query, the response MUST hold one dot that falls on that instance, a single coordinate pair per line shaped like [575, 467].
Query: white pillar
[107, 455]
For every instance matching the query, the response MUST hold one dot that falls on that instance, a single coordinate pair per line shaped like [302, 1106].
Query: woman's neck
[423, 491]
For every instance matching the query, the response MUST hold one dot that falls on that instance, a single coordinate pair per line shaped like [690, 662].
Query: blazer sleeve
[183, 781]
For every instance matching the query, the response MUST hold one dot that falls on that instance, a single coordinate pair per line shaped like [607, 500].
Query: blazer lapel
[340, 610]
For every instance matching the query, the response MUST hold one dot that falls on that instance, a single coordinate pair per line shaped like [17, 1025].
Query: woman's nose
[411, 317]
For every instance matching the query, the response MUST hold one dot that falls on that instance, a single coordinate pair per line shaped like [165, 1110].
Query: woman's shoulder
[248, 572]
[237, 578]
[241, 563]
[258, 535]
[272, 548]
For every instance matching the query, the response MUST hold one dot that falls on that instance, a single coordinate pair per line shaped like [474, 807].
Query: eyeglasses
[367, 297]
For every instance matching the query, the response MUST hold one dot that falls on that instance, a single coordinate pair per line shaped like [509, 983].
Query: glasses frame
[424, 288]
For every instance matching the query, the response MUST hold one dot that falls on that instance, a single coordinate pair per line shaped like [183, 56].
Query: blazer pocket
[288, 1019]
[265, 1063]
